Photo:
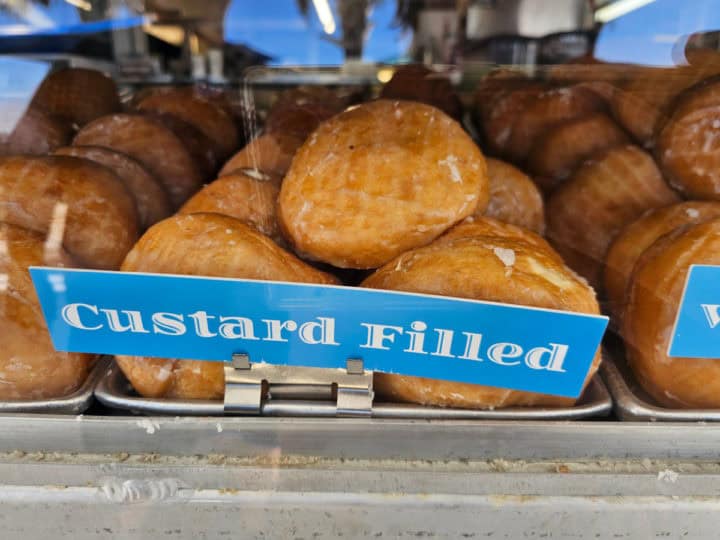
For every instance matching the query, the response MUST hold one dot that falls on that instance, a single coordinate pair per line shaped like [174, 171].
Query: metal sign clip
[244, 385]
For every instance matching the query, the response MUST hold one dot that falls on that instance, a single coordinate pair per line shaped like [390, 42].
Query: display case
[359, 268]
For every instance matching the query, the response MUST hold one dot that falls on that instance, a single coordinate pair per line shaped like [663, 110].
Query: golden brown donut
[30, 367]
[201, 113]
[688, 146]
[270, 153]
[634, 239]
[36, 133]
[655, 291]
[415, 82]
[77, 95]
[559, 152]
[494, 85]
[514, 198]
[250, 199]
[204, 245]
[153, 145]
[102, 222]
[503, 112]
[487, 226]
[151, 200]
[549, 109]
[499, 269]
[602, 197]
[380, 179]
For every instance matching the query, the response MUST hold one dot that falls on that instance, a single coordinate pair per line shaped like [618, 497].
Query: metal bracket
[244, 384]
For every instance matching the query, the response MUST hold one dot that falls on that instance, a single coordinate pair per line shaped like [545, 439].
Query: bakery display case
[359, 268]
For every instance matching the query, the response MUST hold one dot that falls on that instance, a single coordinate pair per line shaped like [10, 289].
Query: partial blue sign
[697, 327]
[200, 318]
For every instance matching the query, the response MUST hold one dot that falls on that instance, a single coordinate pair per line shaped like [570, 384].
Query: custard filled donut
[493, 268]
[101, 224]
[634, 239]
[688, 147]
[270, 153]
[415, 82]
[655, 292]
[501, 113]
[487, 226]
[209, 118]
[36, 133]
[30, 367]
[152, 202]
[204, 245]
[514, 198]
[77, 95]
[549, 109]
[377, 180]
[560, 151]
[602, 197]
[153, 145]
[247, 196]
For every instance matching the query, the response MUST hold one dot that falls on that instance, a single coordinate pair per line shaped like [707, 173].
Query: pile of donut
[389, 193]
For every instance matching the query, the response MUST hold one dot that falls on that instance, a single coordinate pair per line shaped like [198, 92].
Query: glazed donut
[102, 222]
[151, 200]
[153, 145]
[514, 198]
[204, 245]
[30, 367]
[36, 133]
[270, 153]
[688, 146]
[251, 199]
[602, 197]
[547, 110]
[487, 226]
[561, 150]
[77, 95]
[298, 112]
[639, 235]
[377, 180]
[415, 82]
[494, 85]
[493, 268]
[655, 291]
[209, 118]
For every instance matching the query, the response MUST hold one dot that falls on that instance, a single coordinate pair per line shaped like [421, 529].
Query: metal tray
[633, 404]
[75, 403]
[114, 391]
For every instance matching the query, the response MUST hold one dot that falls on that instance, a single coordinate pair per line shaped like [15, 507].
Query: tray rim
[629, 407]
[76, 403]
[105, 394]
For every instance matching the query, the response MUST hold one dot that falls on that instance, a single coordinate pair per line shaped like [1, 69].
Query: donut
[492, 268]
[654, 296]
[377, 180]
[77, 95]
[30, 367]
[204, 245]
[102, 222]
[203, 114]
[688, 146]
[603, 196]
[639, 235]
[415, 82]
[514, 198]
[151, 200]
[36, 133]
[153, 145]
[562, 149]
[270, 153]
[251, 199]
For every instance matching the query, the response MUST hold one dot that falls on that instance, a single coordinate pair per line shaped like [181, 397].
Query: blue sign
[200, 318]
[697, 327]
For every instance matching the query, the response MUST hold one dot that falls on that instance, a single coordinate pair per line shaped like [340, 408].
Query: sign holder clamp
[244, 384]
